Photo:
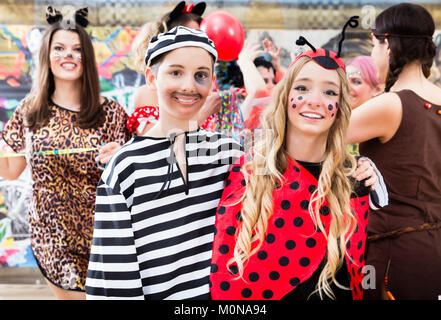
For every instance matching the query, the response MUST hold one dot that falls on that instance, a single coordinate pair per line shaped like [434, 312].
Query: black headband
[80, 16]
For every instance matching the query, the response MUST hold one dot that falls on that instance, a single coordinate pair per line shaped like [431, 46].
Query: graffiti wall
[18, 49]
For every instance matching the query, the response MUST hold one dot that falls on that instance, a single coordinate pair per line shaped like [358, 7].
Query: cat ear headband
[326, 58]
[182, 8]
[80, 16]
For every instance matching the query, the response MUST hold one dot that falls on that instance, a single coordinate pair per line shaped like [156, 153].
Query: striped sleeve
[113, 266]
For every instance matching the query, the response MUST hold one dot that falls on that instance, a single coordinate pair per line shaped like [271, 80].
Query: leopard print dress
[62, 204]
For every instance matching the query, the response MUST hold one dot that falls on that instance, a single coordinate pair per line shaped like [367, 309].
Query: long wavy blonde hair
[264, 170]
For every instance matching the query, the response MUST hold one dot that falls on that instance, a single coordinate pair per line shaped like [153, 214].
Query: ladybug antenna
[353, 23]
[301, 41]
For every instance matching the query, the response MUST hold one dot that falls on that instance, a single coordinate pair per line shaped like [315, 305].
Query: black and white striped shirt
[154, 231]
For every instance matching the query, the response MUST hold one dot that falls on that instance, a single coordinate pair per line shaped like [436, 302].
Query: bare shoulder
[379, 118]
[386, 104]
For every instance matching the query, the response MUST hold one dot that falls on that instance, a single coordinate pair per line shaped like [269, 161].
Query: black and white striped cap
[179, 37]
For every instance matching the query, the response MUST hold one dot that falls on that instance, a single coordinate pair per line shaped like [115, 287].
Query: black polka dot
[298, 222]
[221, 210]
[294, 281]
[231, 230]
[210, 284]
[224, 285]
[304, 204]
[285, 205]
[270, 238]
[284, 261]
[243, 182]
[239, 216]
[246, 293]
[262, 255]
[274, 275]
[236, 169]
[324, 211]
[312, 188]
[296, 169]
[254, 276]
[290, 244]
[277, 185]
[361, 258]
[214, 268]
[279, 223]
[233, 269]
[294, 185]
[228, 182]
[348, 245]
[267, 294]
[304, 262]
[360, 243]
[224, 249]
[356, 229]
[310, 243]
[366, 214]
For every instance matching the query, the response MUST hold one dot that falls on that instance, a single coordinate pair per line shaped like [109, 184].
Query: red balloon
[227, 33]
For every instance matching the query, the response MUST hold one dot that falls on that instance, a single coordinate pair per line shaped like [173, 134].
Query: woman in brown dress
[401, 133]
[63, 111]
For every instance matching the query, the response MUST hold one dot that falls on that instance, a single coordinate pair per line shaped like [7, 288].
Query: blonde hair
[269, 156]
[151, 29]
[141, 42]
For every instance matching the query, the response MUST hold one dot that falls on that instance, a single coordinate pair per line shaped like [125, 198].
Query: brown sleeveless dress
[406, 235]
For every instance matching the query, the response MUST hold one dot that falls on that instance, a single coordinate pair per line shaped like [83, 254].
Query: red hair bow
[149, 112]
[188, 8]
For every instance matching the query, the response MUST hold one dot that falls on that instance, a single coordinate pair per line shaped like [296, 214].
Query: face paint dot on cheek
[294, 106]
[330, 107]
[300, 98]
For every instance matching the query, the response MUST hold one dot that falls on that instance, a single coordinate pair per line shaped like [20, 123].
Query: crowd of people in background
[169, 203]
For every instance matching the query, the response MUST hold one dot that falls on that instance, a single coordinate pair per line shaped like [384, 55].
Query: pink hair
[367, 68]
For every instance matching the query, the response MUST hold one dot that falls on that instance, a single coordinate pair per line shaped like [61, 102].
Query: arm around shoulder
[379, 117]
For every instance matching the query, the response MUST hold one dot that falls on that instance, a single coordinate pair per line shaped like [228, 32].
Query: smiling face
[313, 101]
[65, 56]
[360, 90]
[183, 81]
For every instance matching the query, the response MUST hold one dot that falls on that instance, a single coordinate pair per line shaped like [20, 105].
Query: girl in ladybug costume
[291, 223]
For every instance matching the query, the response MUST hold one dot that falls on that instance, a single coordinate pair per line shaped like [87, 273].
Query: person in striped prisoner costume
[157, 199]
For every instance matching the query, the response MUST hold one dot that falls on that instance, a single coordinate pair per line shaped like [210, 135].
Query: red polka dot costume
[292, 250]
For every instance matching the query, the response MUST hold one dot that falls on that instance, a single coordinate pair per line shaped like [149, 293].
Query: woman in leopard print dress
[63, 111]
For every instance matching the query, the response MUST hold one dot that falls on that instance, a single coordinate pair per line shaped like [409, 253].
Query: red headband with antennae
[325, 58]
